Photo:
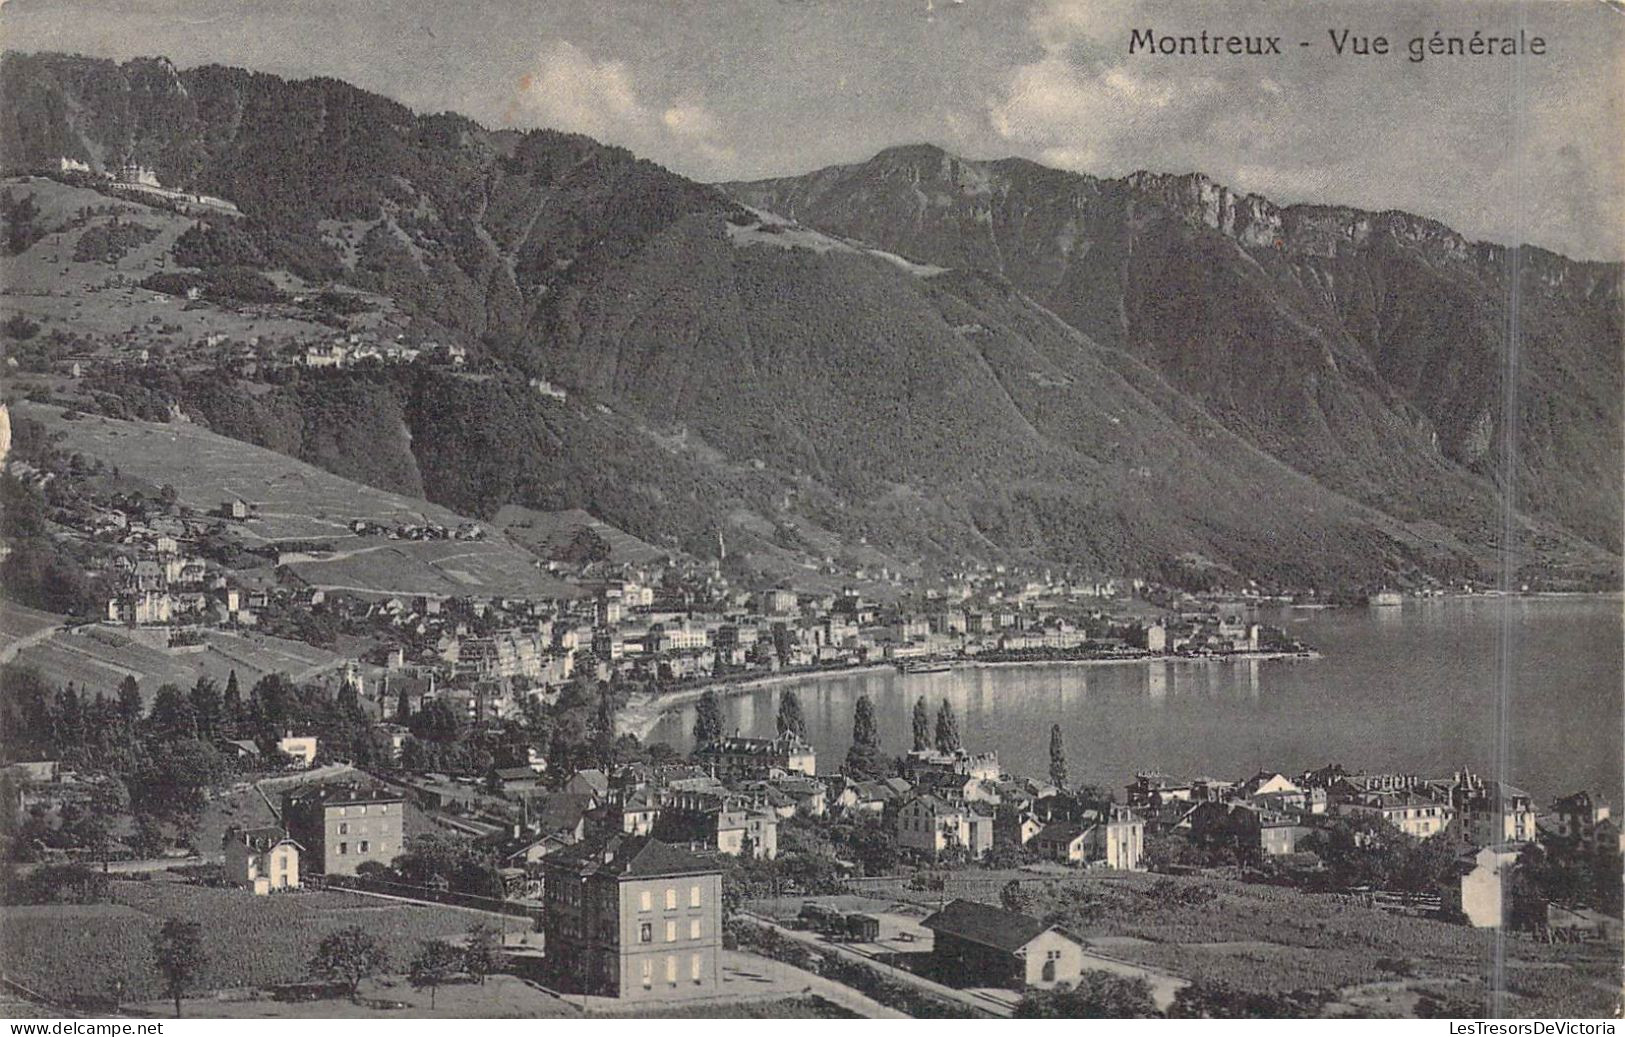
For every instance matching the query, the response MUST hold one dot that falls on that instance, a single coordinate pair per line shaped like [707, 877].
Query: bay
[1528, 689]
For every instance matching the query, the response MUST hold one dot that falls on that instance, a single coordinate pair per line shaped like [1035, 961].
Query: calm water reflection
[1419, 689]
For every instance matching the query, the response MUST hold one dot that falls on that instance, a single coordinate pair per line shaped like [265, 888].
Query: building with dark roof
[629, 916]
[981, 945]
[261, 859]
[342, 825]
[738, 759]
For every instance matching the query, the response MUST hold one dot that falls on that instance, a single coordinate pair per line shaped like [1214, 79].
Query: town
[216, 703]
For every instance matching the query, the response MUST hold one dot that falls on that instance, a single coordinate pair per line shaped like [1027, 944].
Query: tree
[206, 706]
[1097, 995]
[947, 740]
[1057, 757]
[791, 723]
[129, 701]
[349, 956]
[177, 954]
[922, 725]
[403, 708]
[864, 759]
[603, 729]
[707, 719]
[436, 962]
[483, 954]
[171, 715]
[1217, 1000]
[231, 704]
[1014, 898]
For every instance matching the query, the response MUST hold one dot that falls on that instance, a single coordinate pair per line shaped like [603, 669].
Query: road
[901, 934]
[9, 651]
[977, 1001]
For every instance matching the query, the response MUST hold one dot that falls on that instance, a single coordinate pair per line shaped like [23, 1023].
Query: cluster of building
[324, 828]
[161, 585]
[356, 348]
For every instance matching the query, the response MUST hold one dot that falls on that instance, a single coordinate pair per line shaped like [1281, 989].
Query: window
[363, 846]
[671, 969]
[648, 974]
[344, 811]
[344, 848]
[671, 932]
[646, 901]
[693, 928]
[363, 810]
[344, 828]
[693, 896]
[646, 933]
[671, 900]
[694, 968]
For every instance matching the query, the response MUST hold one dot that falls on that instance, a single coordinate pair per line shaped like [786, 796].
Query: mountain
[917, 361]
[1367, 350]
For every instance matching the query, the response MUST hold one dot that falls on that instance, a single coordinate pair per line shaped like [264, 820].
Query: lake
[1528, 689]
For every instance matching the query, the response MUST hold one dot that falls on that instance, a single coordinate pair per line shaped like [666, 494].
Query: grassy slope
[299, 501]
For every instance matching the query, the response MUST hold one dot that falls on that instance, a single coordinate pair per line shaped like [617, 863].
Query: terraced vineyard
[76, 952]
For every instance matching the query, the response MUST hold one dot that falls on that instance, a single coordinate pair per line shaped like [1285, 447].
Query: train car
[861, 928]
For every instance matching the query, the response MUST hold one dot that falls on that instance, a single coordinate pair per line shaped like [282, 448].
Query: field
[293, 500]
[543, 531]
[1276, 940]
[20, 625]
[436, 568]
[99, 657]
[76, 952]
[805, 1007]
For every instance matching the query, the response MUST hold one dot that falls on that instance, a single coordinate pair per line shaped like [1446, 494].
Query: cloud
[1502, 156]
[571, 91]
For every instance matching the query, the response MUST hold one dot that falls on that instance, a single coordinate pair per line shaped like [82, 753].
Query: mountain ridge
[790, 373]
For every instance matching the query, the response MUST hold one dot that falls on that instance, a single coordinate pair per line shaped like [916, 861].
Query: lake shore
[643, 713]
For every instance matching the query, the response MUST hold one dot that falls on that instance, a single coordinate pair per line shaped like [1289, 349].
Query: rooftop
[986, 925]
[621, 856]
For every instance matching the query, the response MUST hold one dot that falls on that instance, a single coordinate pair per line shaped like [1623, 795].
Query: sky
[1507, 149]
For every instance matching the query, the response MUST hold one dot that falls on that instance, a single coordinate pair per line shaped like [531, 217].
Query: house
[239, 748]
[262, 859]
[1481, 890]
[588, 782]
[235, 508]
[1246, 828]
[1490, 812]
[36, 771]
[930, 825]
[739, 759]
[302, 748]
[1016, 827]
[983, 766]
[1115, 841]
[1403, 807]
[630, 917]
[1587, 820]
[516, 779]
[1151, 789]
[342, 825]
[721, 822]
[981, 945]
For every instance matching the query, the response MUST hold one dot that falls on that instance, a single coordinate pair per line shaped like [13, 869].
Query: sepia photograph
[607, 510]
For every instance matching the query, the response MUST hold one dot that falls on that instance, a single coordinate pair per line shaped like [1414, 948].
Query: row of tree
[347, 956]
